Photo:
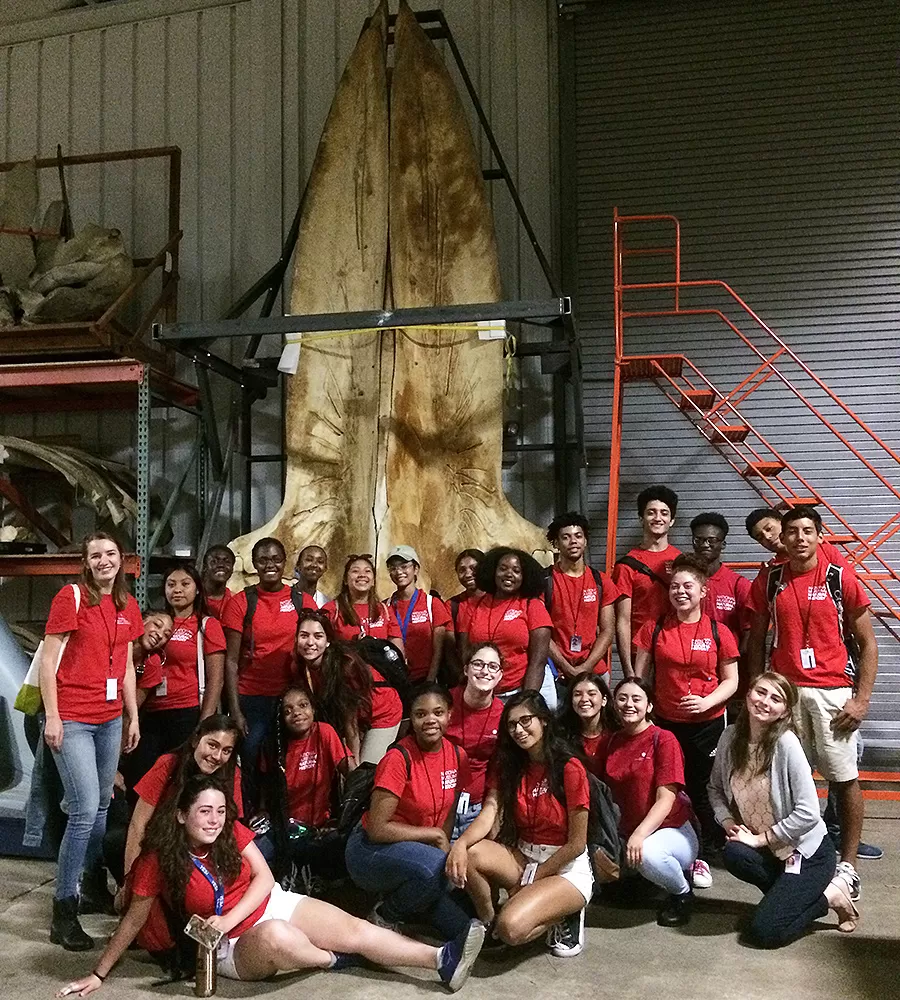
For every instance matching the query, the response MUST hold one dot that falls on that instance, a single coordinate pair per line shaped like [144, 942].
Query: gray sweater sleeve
[719, 787]
[793, 792]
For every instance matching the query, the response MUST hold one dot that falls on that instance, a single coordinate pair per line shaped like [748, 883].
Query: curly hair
[657, 492]
[513, 761]
[689, 563]
[167, 837]
[740, 748]
[564, 520]
[570, 721]
[712, 519]
[532, 574]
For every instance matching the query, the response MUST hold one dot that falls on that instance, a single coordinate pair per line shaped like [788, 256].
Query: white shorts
[578, 872]
[835, 759]
[281, 906]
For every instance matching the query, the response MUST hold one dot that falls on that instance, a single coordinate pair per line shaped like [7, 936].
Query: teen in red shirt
[424, 619]
[399, 849]
[175, 706]
[149, 651]
[466, 566]
[643, 595]
[474, 726]
[644, 768]
[580, 600]
[588, 715]
[695, 676]
[300, 767]
[259, 662]
[87, 680]
[540, 795]
[231, 887]
[512, 614]
[218, 565]
[356, 611]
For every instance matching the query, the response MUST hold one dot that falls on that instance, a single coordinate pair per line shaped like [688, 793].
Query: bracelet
[97, 974]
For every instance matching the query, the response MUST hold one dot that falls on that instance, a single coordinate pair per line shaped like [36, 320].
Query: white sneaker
[378, 920]
[848, 873]
[701, 876]
[566, 939]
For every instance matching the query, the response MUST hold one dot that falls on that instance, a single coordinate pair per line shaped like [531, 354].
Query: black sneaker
[676, 911]
[566, 939]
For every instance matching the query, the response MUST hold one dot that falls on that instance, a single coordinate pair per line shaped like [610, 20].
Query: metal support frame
[142, 525]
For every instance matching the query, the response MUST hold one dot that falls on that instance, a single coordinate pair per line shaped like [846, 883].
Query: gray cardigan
[795, 803]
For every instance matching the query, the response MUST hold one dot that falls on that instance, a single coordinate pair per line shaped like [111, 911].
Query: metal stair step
[731, 432]
[768, 469]
[840, 539]
[645, 366]
[701, 399]
[807, 501]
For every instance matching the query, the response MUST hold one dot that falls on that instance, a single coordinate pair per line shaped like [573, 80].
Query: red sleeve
[146, 878]
[63, 617]
[440, 614]
[133, 613]
[236, 791]
[609, 588]
[728, 647]
[623, 577]
[331, 610]
[756, 601]
[854, 595]
[644, 637]
[234, 611]
[152, 674]
[742, 590]
[464, 616]
[391, 773]
[213, 636]
[575, 783]
[309, 602]
[150, 787]
[336, 747]
[668, 766]
[243, 836]
[538, 615]
[393, 626]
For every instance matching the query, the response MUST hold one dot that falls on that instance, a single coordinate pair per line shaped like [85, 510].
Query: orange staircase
[716, 416]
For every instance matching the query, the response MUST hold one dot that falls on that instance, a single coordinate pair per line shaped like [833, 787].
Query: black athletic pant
[698, 742]
[161, 733]
[791, 901]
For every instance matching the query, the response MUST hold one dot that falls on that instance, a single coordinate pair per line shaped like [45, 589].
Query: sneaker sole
[568, 953]
[474, 941]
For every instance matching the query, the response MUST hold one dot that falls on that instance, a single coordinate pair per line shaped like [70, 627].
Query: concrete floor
[627, 955]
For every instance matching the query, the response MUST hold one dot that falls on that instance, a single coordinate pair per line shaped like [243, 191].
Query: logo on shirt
[376, 624]
[725, 602]
[541, 788]
[182, 634]
[701, 645]
[512, 614]
[286, 606]
[419, 617]
[307, 761]
[590, 596]
[817, 593]
[122, 620]
[448, 779]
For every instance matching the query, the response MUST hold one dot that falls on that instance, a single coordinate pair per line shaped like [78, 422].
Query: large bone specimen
[332, 402]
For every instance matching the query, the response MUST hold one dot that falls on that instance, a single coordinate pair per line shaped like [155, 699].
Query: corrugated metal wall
[770, 130]
[243, 88]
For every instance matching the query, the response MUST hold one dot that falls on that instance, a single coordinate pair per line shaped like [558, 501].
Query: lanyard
[804, 621]
[488, 713]
[576, 605]
[218, 890]
[687, 658]
[434, 799]
[110, 636]
[404, 625]
[493, 631]
[534, 795]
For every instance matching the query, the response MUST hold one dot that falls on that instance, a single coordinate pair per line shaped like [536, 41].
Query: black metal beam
[541, 312]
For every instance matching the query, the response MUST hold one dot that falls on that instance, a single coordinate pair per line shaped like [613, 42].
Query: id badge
[111, 689]
[462, 806]
[808, 658]
[529, 873]
[162, 689]
[792, 865]
[575, 644]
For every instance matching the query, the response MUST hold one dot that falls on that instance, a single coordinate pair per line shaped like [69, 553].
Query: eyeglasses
[524, 721]
[485, 667]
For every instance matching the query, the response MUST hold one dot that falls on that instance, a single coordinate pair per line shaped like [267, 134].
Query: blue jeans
[410, 879]
[464, 820]
[87, 764]
[259, 711]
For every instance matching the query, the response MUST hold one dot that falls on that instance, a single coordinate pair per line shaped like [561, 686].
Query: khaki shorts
[281, 906]
[834, 758]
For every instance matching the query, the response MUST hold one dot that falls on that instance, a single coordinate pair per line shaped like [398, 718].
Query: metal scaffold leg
[142, 526]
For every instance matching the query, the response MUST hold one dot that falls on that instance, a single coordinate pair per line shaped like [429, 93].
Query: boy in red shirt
[580, 599]
[809, 648]
[642, 576]
[218, 565]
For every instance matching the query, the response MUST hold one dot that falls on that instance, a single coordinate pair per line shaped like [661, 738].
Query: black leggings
[698, 742]
[791, 901]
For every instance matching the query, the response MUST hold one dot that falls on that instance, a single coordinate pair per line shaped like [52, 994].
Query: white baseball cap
[405, 552]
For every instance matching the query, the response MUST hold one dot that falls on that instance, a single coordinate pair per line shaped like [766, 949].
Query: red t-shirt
[649, 599]
[418, 643]
[634, 768]
[309, 767]
[476, 731]
[428, 795]
[267, 651]
[383, 627]
[727, 594]
[216, 605]
[539, 815]
[456, 602]
[687, 662]
[97, 649]
[157, 782]
[591, 745]
[151, 672]
[805, 615]
[508, 622]
[575, 610]
[199, 896]
[179, 669]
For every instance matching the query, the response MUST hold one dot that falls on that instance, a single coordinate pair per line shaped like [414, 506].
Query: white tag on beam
[492, 329]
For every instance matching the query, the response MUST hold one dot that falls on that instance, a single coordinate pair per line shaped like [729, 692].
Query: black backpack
[640, 567]
[598, 579]
[606, 848]
[384, 656]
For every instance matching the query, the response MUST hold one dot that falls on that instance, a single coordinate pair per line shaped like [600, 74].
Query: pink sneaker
[701, 876]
